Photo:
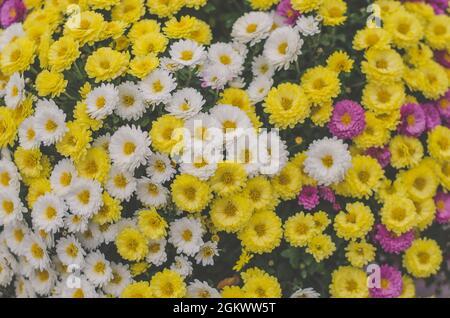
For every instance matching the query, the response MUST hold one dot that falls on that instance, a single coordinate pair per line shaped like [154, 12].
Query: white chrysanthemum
[77, 288]
[198, 289]
[252, 27]
[86, 197]
[121, 278]
[185, 103]
[121, 184]
[24, 266]
[36, 252]
[47, 237]
[232, 121]
[205, 255]
[186, 235]
[240, 48]
[182, 266]
[109, 232]
[259, 88]
[216, 76]
[307, 25]
[23, 288]
[101, 101]
[277, 150]
[48, 212]
[50, 122]
[102, 141]
[327, 160]
[262, 67]
[156, 252]
[305, 293]
[92, 238]
[157, 86]
[169, 65]
[28, 138]
[6, 273]
[14, 90]
[129, 147]
[203, 128]
[187, 52]
[160, 168]
[131, 105]
[43, 281]
[11, 33]
[151, 193]
[224, 54]
[63, 177]
[126, 222]
[97, 269]
[247, 151]
[199, 161]
[15, 235]
[75, 223]
[9, 176]
[278, 20]
[69, 251]
[283, 47]
[11, 207]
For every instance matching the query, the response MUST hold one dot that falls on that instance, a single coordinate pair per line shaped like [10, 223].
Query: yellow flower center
[225, 59]
[100, 102]
[346, 119]
[8, 206]
[282, 48]
[327, 161]
[128, 101]
[129, 148]
[14, 91]
[65, 179]
[157, 86]
[18, 235]
[72, 250]
[186, 55]
[398, 214]
[190, 193]
[84, 196]
[252, 27]
[153, 189]
[120, 181]
[187, 235]
[50, 213]
[37, 251]
[100, 267]
[5, 178]
[31, 134]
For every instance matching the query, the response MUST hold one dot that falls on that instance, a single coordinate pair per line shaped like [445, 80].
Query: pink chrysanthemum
[432, 115]
[443, 105]
[309, 197]
[11, 11]
[443, 58]
[392, 243]
[347, 120]
[383, 155]
[391, 284]
[285, 10]
[442, 201]
[413, 121]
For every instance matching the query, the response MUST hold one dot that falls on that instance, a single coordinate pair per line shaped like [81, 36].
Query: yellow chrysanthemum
[82, 117]
[230, 177]
[339, 61]
[443, 171]
[166, 134]
[333, 12]
[28, 161]
[231, 214]
[109, 212]
[131, 244]
[17, 56]
[383, 98]
[259, 191]
[142, 27]
[188, 27]
[320, 84]
[50, 83]
[398, 214]
[371, 38]
[164, 8]
[419, 55]
[75, 141]
[426, 211]
[420, 182]
[62, 53]
[375, 134]
[190, 194]
[383, 65]
[106, 64]
[128, 11]
[409, 288]
[151, 224]
[88, 29]
[305, 6]
[359, 254]
[321, 221]
[321, 247]
[94, 165]
[149, 43]
[167, 284]
[299, 229]
[349, 282]
[429, 78]
[423, 258]
[405, 151]
[262, 233]
[137, 290]
[354, 224]
[405, 29]
[437, 32]
[287, 105]
[259, 284]
[439, 143]
[141, 66]
[37, 188]
[287, 183]
[8, 127]
[262, 4]
[232, 292]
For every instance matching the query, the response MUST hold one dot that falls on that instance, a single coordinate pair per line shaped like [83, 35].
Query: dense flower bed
[194, 148]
